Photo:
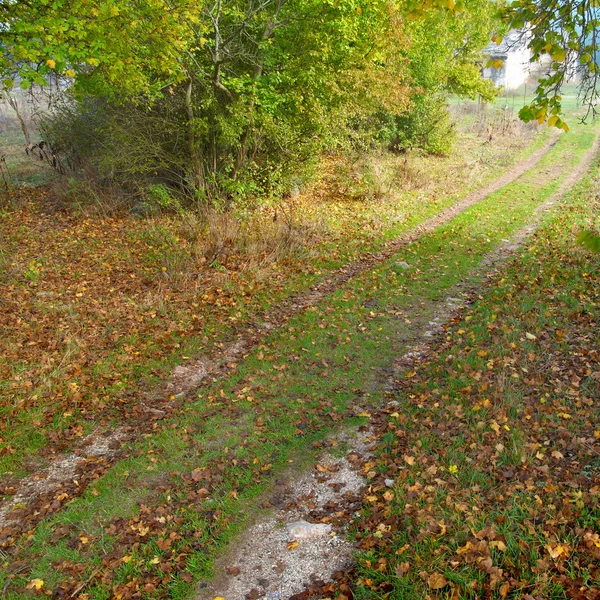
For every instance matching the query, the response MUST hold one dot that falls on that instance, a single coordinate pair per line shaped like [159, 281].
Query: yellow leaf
[552, 121]
[70, 73]
[155, 560]
[464, 549]
[495, 427]
[51, 63]
[35, 584]
[127, 559]
[559, 54]
[410, 460]
[292, 545]
[558, 550]
[499, 545]
[528, 335]
[541, 117]
[364, 414]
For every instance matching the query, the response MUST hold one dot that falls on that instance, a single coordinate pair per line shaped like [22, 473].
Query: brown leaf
[402, 569]
[436, 581]
[198, 474]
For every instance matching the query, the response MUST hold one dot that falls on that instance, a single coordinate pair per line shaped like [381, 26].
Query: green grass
[519, 461]
[296, 388]
[100, 336]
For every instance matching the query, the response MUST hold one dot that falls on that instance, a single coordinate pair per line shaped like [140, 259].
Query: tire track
[258, 537]
[46, 492]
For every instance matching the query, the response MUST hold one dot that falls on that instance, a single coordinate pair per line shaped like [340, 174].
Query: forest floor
[471, 372]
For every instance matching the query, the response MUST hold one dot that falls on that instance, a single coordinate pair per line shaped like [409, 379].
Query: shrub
[426, 125]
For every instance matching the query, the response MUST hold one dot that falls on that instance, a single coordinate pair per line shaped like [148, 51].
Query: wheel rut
[265, 546]
[42, 494]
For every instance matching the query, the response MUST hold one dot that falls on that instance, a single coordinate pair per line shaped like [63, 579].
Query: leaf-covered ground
[96, 310]
[152, 524]
[493, 441]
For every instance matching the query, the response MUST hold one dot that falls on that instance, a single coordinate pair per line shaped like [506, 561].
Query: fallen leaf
[35, 584]
[436, 581]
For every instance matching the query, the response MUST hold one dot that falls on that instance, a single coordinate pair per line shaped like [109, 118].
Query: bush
[426, 125]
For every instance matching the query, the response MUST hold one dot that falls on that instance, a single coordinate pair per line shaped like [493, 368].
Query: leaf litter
[486, 462]
[35, 497]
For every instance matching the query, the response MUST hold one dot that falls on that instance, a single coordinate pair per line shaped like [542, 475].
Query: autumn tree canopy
[222, 98]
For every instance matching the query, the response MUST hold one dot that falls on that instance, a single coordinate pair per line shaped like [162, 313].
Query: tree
[567, 32]
[443, 52]
[253, 86]
[131, 44]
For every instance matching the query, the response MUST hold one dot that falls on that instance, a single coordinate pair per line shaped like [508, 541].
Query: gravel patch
[290, 549]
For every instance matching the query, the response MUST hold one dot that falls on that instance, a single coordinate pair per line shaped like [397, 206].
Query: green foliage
[226, 100]
[590, 240]
[567, 35]
[102, 43]
[160, 196]
[426, 125]
[442, 54]
[267, 86]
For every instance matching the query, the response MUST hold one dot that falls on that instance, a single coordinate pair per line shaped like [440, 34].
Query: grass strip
[192, 482]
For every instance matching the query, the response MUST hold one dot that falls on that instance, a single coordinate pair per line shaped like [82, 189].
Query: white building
[515, 57]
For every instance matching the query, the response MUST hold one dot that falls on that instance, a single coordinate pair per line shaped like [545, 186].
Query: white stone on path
[303, 530]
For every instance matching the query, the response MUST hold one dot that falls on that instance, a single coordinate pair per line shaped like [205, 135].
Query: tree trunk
[13, 104]
[199, 179]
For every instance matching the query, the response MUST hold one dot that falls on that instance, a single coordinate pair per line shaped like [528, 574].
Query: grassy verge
[153, 524]
[494, 441]
[96, 309]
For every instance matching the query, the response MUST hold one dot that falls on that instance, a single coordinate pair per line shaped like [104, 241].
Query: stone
[302, 530]
[389, 483]
[402, 265]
